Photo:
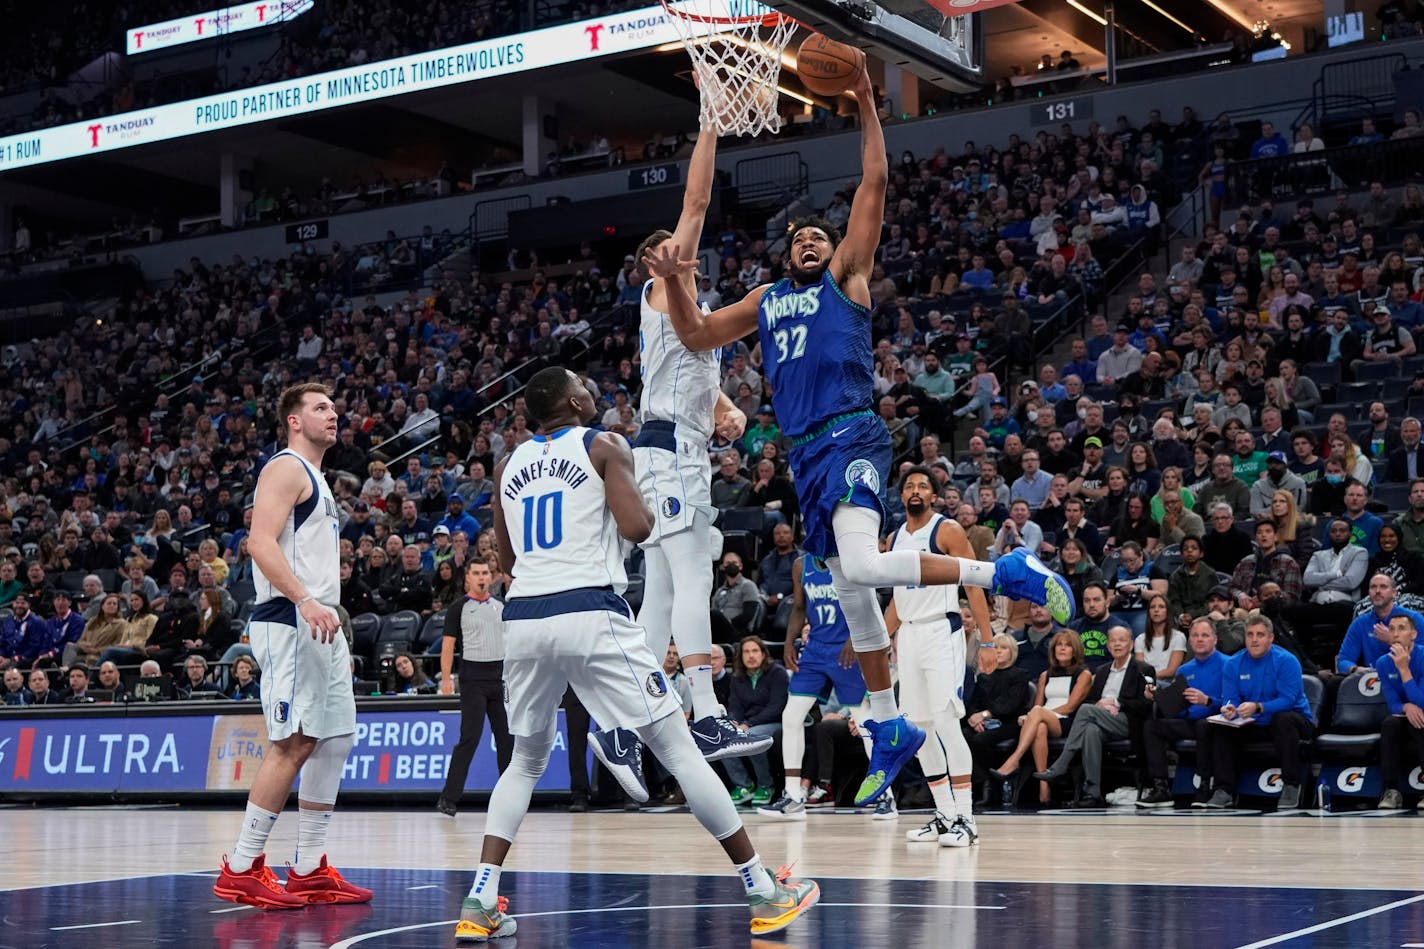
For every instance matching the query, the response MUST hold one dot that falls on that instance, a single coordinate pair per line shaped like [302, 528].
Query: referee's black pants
[481, 696]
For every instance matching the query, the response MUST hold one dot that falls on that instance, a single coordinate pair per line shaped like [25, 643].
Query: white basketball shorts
[930, 658]
[306, 683]
[674, 477]
[587, 639]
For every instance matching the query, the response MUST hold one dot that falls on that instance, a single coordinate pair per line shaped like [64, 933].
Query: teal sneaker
[892, 744]
[741, 795]
[791, 898]
[1021, 575]
[478, 924]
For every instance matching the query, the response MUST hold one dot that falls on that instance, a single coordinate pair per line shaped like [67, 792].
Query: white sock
[975, 573]
[963, 798]
[704, 699]
[794, 790]
[311, 839]
[257, 823]
[943, 800]
[486, 885]
[882, 705]
[755, 878]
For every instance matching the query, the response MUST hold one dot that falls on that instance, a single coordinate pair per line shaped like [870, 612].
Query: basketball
[827, 67]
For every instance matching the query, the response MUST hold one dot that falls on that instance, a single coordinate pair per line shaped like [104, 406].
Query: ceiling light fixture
[1090, 14]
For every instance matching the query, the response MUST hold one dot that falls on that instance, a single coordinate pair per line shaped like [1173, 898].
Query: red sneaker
[325, 884]
[257, 886]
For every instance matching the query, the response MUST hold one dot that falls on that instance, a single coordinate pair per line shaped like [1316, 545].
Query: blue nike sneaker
[892, 744]
[1021, 575]
[620, 751]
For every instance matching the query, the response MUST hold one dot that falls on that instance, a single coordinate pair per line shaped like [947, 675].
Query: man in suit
[1118, 704]
[1333, 578]
[1405, 463]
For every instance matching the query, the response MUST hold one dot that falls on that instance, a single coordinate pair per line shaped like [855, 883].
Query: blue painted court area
[416, 908]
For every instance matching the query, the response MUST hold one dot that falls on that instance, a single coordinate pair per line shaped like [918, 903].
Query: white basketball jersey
[311, 542]
[679, 385]
[562, 531]
[928, 603]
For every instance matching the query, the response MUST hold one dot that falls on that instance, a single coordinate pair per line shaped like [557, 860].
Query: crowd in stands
[1220, 449]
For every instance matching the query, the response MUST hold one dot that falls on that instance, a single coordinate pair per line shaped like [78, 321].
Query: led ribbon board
[552, 46]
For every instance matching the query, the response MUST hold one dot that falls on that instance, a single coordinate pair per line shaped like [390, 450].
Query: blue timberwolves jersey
[823, 607]
[815, 346]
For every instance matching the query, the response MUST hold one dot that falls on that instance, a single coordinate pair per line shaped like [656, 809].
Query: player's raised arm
[501, 529]
[697, 196]
[855, 257]
[698, 331]
[613, 460]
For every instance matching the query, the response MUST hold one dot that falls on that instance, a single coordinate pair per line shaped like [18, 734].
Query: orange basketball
[826, 67]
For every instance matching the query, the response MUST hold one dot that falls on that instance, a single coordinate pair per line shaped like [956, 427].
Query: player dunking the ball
[307, 700]
[930, 646]
[815, 338]
[681, 403]
[561, 502]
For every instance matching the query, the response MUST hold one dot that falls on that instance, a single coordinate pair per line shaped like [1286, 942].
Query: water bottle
[1008, 792]
[1323, 796]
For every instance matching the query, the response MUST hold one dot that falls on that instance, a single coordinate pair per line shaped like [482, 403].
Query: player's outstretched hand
[663, 261]
[325, 624]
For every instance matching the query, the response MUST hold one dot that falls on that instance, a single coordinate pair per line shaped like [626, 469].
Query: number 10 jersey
[560, 526]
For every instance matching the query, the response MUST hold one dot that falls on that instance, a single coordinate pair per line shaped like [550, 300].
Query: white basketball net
[736, 48]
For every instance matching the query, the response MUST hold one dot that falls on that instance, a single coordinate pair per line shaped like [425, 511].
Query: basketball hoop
[736, 48]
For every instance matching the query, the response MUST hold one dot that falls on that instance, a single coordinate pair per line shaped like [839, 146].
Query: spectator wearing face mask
[735, 599]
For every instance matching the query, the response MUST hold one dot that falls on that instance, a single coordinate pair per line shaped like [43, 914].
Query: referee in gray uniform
[476, 620]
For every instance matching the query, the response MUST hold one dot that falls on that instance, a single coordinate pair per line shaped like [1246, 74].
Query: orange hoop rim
[767, 20]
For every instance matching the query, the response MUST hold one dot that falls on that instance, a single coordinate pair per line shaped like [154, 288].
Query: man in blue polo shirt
[1401, 673]
[1261, 683]
[1202, 674]
[1368, 638]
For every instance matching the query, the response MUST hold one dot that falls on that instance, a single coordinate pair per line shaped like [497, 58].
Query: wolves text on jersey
[565, 469]
[805, 303]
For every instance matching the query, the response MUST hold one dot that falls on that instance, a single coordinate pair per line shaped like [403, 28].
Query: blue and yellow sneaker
[1021, 575]
[478, 924]
[892, 744]
[790, 899]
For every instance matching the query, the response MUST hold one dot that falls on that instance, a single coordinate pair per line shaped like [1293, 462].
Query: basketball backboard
[938, 40]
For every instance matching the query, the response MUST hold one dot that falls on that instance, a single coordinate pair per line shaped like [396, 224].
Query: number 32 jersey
[815, 345]
[556, 510]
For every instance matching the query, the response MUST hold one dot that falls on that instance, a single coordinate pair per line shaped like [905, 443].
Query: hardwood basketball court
[141, 876]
